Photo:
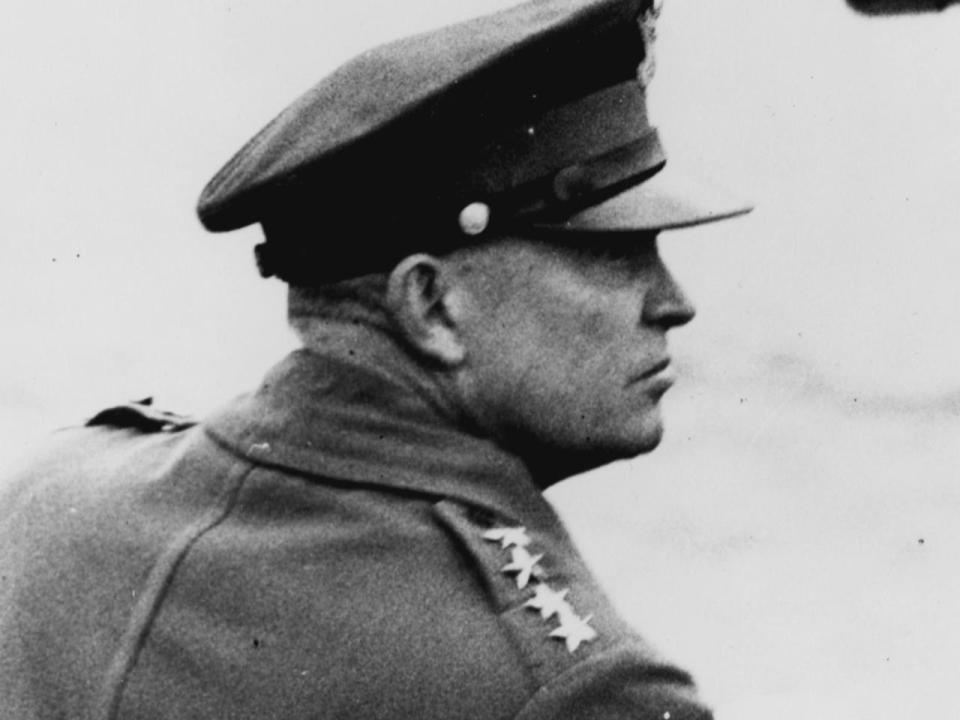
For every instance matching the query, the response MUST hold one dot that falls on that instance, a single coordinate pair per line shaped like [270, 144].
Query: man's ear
[423, 303]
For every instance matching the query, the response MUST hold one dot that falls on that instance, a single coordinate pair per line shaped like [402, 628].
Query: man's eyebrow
[581, 238]
[620, 243]
[613, 247]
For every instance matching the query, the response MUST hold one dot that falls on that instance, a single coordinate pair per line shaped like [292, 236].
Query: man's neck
[377, 349]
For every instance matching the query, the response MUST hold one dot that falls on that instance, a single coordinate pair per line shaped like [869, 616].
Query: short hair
[359, 300]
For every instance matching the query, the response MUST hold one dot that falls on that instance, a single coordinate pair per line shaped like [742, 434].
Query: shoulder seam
[155, 587]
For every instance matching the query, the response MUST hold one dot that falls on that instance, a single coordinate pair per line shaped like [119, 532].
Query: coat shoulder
[141, 415]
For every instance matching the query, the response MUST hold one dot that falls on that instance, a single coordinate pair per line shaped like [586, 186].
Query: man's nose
[666, 304]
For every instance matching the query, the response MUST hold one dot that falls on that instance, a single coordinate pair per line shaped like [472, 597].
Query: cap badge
[648, 29]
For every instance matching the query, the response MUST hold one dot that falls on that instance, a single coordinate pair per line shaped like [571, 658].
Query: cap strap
[579, 185]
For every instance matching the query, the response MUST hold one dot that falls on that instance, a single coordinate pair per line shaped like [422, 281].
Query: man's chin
[643, 440]
[641, 435]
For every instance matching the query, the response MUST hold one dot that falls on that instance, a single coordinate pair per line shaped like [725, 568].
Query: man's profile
[468, 223]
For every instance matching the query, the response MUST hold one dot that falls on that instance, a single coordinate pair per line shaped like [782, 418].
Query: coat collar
[371, 416]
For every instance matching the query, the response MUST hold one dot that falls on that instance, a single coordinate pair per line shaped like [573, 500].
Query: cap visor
[666, 201]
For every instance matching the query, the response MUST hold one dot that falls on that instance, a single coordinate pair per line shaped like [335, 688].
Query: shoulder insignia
[535, 586]
[572, 629]
[141, 415]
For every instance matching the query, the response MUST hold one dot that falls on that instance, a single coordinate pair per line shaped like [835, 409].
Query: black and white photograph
[484, 360]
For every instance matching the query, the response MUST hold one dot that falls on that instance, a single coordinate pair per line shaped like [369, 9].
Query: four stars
[573, 630]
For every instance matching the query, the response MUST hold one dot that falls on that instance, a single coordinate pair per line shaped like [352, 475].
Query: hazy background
[794, 542]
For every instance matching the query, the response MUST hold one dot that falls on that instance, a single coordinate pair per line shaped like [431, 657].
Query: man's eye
[623, 253]
[618, 253]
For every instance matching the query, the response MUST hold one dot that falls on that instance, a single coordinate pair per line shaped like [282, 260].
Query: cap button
[475, 218]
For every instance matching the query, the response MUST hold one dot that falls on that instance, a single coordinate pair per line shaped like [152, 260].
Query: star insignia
[548, 601]
[508, 537]
[523, 564]
[574, 630]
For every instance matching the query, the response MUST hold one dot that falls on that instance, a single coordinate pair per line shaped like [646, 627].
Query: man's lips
[655, 370]
[660, 372]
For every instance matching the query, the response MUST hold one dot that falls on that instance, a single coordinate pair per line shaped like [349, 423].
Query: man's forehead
[521, 257]
[588, 241]
[549, 243]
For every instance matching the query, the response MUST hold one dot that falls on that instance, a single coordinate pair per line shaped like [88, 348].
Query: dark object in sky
[899, 7]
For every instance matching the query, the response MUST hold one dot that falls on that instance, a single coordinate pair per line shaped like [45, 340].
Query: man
[467, 220]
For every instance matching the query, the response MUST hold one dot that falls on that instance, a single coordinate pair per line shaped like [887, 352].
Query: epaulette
[142, 416]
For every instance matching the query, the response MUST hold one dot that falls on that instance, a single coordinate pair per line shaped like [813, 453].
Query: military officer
[467, 221]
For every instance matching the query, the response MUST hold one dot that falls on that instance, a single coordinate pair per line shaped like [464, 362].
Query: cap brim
[668, 200]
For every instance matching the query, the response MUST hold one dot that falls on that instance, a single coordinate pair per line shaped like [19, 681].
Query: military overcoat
[334, 545]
